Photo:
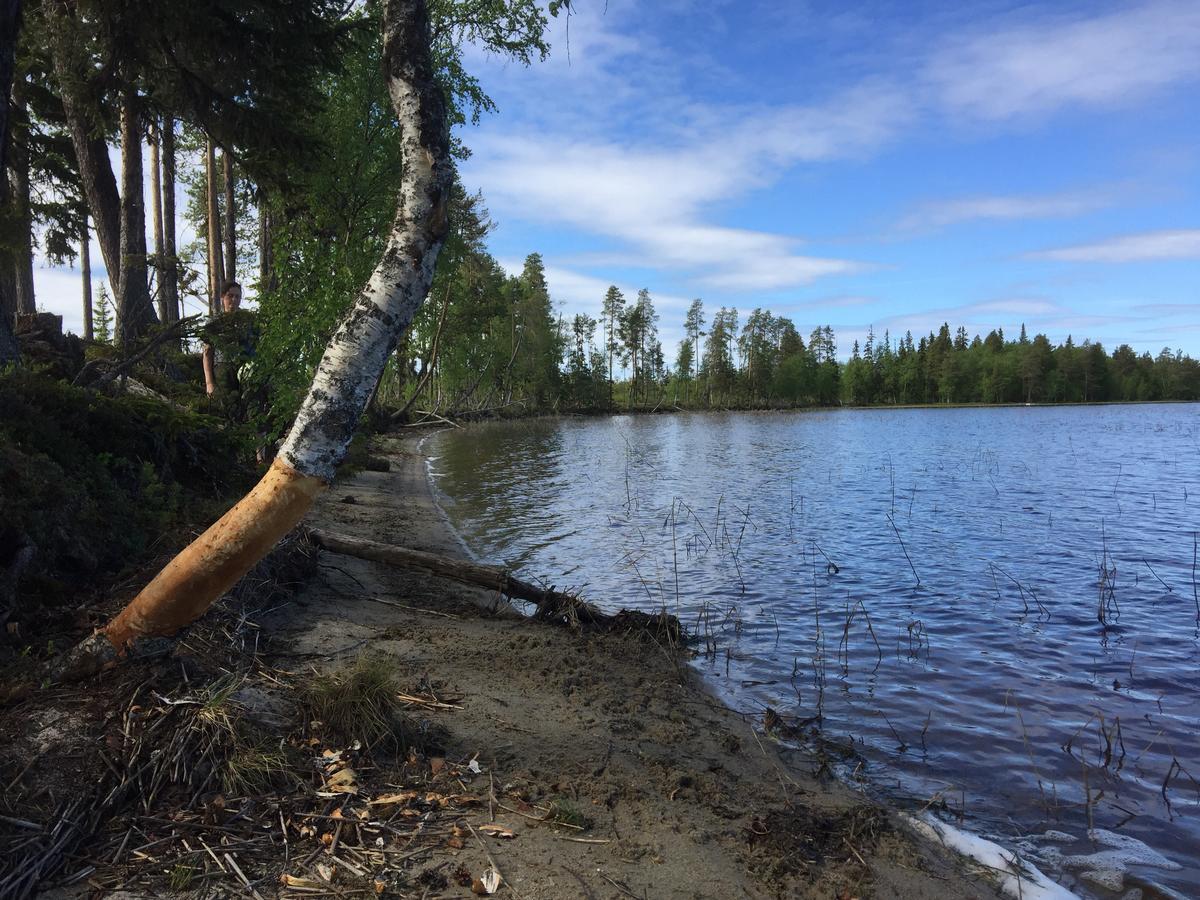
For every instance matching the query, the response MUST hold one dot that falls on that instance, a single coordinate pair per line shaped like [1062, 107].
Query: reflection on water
[932, 582]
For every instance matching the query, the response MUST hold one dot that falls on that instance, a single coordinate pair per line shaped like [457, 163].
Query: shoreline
[751, 813]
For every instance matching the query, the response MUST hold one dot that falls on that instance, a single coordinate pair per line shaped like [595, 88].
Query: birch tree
[352, 364]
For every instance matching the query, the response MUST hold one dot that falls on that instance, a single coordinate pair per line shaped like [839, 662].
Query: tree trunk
[492, 578]
[10, 26]
[7, 265]
[230, 218]
[552, 606]
[85, 268]
[352, 364]
[22, 250]
[170, 285]
[134, 310]
[267, 281]
[96, 176]
[156, 214]
[430, 361]
[216, 266]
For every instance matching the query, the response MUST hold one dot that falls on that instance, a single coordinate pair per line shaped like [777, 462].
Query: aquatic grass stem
[905, 549]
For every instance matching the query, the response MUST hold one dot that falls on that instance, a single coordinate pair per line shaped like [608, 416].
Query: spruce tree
[102, 319]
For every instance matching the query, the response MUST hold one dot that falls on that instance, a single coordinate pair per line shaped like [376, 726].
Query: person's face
[231, 299]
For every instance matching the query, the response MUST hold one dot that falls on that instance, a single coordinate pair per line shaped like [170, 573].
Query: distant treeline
[496, 344]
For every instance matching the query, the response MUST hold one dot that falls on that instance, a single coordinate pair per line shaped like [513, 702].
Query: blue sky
[888, 165]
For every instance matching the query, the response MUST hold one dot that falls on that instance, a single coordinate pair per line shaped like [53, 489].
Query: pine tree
[102, 319]
[610, 314]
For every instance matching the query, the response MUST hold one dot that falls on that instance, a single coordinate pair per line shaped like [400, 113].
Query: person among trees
[229, 340]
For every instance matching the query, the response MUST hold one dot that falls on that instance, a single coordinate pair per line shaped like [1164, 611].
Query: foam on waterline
[1059, 836]
[1109, 879]
[1016, 877]
[1123, 851]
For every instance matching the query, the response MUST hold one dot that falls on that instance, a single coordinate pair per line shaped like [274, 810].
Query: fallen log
[551, 605]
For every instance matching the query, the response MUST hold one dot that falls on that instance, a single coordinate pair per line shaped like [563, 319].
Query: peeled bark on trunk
[214, 562]
[351, 366]
[216, 265]
[134, 309]
[170, 285]
[230, 219]
[85, 268]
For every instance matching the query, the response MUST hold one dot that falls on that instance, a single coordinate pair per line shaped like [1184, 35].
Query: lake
[992, 611]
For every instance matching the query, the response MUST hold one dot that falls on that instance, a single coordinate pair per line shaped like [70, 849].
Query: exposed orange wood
[214, 562]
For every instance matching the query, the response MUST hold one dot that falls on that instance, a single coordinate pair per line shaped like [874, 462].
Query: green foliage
[94, 482]
[513, 28]
[333, 230]
[102, 318]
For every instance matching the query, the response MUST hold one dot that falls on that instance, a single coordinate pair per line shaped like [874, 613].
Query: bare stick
[1195, 595]
[1170, 590]
[905, 549]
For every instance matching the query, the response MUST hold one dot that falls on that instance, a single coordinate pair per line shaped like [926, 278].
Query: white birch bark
[355, 357]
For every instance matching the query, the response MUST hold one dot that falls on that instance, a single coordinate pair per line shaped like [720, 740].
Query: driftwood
[551, 605]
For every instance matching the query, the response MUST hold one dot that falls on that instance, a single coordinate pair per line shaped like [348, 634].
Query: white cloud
[1105, 60]
[981, 317]
[1153, 245]
[840, 301]
[940, 214]
[653, 201]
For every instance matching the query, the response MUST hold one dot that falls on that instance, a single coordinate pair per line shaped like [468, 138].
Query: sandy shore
[678, 796]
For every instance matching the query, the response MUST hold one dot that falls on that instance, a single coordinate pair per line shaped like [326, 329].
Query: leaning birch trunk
[352, 364]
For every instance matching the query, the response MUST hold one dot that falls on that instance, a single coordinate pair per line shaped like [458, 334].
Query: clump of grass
[253, 769]
[563, 812]
[247, 764]
[359, 702]
[216, 704]
[181, 877]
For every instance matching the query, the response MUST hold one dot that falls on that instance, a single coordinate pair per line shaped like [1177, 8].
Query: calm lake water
[930, 582]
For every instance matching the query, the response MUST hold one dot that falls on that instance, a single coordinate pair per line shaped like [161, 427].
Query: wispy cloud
[1153, 245]
[983, 316]
[653, 201]
[580, 292]
[1167, 309]
[1038, 67]
[943, 213]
